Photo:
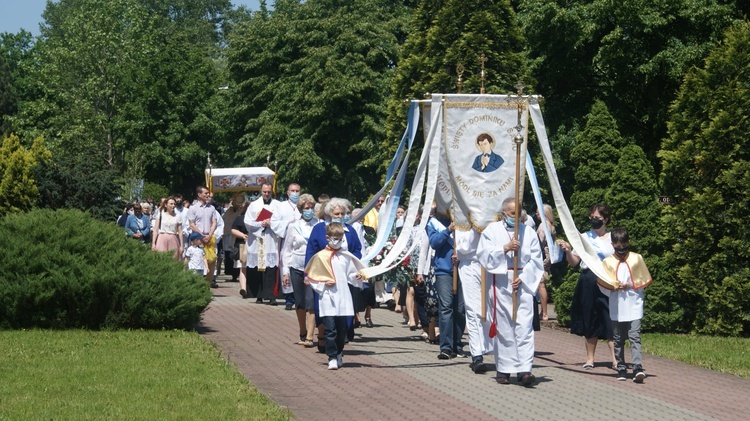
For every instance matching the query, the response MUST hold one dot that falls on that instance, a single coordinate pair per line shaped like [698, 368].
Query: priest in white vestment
[513, 342]
[265, 227]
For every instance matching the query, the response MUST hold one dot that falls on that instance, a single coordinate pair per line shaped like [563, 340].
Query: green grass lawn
[82, 375]
[726, 355]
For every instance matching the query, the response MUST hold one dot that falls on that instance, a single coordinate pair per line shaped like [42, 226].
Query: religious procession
[461, 259]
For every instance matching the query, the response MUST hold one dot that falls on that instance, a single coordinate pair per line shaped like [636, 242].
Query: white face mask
[335, 244]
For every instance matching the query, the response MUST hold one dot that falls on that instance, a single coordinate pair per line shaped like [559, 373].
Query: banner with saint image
[478, 158]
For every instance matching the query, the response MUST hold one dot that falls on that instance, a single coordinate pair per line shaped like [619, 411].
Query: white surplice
[337, 300]
[514, 343]
[260, 238]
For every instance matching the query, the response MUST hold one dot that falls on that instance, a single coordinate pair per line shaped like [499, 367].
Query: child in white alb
[195, 255]
[629, 271]
[328, 273]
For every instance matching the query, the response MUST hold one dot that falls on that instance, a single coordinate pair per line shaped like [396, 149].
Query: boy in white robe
[328, 272]
[626, 301]
[470, 272]
[513, 342]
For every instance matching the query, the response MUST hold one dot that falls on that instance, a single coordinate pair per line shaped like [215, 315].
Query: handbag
[234, 253]
[243, 253]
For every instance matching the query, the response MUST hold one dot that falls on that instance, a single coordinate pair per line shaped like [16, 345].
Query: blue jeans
[335, 334]
[451, 313]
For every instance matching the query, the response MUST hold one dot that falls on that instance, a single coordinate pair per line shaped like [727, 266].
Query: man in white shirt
[290, 214]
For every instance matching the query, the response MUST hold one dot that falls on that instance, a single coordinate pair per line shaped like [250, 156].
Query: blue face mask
[307, 214]
[347, 218]
[339, 220]
[510, 222]
[294, 198]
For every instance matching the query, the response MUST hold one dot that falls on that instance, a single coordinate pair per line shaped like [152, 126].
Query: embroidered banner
[478, 162]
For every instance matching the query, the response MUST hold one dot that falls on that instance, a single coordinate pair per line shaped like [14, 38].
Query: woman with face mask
[293, 269]
[589, 310]
[335, 211]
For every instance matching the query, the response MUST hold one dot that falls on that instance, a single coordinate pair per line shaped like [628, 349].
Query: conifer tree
[595, 158]
[18, 189]
[448, 32]
[706, 169]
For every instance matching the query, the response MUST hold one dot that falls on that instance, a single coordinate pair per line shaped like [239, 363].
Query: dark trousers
[420, 298]
[260, 283]
[229, 268]
[335, 334]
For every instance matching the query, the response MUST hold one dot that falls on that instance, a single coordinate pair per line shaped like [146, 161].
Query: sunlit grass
[726, 355]
[79, 375]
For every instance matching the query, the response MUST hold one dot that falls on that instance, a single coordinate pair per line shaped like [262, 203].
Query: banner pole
[518, 140]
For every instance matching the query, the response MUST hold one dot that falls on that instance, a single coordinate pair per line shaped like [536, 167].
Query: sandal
[307, 343]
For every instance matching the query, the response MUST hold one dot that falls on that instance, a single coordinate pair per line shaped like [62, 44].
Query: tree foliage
[706, 168]
[312, 79]
[14, 50]
[632, 54]
[594, 156]
[445, 34]
[18, 188]
[68, 183]
[114, 82]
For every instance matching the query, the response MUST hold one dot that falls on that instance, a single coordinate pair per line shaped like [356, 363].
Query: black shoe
[368, 323]
[214, 284]
[288, 307]
[444, 355]
[638, 375]
[501, 379]
[259, 301]
[622, 375]
[243, 293]
[478, 367]
[273, 302]
[527, 380]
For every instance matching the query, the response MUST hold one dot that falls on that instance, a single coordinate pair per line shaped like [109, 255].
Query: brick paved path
[390, 374]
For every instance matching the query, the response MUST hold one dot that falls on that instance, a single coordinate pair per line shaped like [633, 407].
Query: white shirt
[195, 254]
[602, 245]
[295, 244]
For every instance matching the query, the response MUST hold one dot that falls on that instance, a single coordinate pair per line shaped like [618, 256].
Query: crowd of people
[307, 253]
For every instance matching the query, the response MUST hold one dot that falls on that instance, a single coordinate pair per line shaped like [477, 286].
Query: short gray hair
[508, 200]
[337, 202]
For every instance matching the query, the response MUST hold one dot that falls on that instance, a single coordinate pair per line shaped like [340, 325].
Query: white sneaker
[333, 364]
[339, 361]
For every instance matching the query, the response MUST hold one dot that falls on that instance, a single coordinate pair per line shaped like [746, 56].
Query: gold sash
[638, 271]
[320, 269]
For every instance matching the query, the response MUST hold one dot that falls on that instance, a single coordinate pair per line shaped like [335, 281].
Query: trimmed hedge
[65, 269]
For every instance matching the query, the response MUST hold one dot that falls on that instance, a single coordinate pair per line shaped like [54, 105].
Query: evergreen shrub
[563, 297]
[65, 269]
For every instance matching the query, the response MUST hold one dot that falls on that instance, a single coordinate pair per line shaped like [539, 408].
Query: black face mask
[596, 223]
[622, 250]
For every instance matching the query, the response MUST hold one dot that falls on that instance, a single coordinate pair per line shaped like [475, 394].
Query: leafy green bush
[64, 269]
